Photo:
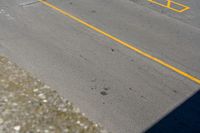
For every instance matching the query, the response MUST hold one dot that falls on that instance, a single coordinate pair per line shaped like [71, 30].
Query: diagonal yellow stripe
[163, 63]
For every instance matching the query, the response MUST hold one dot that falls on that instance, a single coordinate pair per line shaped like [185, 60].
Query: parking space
[172, 5]
[186, 11]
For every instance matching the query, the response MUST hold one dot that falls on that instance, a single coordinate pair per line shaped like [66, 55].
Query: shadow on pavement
[184, 119]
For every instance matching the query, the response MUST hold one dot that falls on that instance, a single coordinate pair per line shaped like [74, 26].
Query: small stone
[17, 128]
[35, 90]
[66, 130]
[14, 104]
[1, 121]
[45, 101]
[46, 131]
[78, 122]
[42, 96]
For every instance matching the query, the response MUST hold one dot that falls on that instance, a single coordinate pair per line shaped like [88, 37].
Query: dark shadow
[184, 119]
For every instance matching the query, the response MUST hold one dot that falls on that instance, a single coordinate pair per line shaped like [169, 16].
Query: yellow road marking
[163, 63]
[169, 5]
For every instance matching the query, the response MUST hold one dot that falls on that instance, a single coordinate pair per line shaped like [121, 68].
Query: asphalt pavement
[112, 84]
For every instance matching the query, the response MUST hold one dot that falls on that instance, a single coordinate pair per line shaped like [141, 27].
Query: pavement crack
[28, 3]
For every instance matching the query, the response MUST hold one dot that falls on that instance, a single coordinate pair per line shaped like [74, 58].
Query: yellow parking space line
[161, 62]
[170, 3]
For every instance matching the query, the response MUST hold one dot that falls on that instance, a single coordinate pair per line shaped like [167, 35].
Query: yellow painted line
[163, 63]
[169, 5]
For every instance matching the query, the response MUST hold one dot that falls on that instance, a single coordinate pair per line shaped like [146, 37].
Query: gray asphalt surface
[124, 91]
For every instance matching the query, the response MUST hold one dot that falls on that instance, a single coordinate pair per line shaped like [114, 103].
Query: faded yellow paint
[130, 46]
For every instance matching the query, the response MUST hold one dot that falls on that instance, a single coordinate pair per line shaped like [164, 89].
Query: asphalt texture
[113, 85]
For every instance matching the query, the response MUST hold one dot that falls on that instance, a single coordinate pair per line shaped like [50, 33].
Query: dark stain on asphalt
[84, 58]
[112, 50]
[104, 93]
[175, 91]
[106, 88]
[93, 11]
[93, 87]
[143, 97]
